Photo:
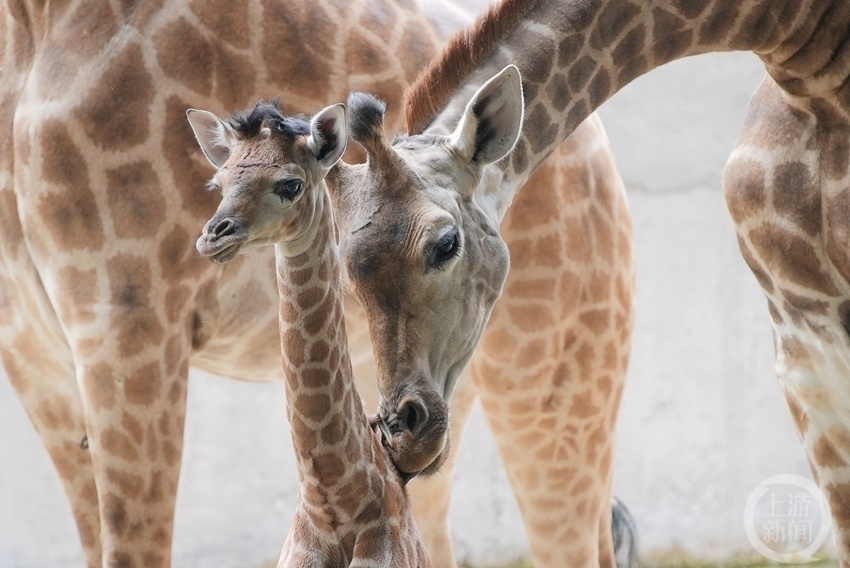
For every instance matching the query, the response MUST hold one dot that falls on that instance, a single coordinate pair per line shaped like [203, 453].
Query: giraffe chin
[217, 252]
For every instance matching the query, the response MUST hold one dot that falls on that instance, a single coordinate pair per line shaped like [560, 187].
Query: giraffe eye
[446, 248]
[288, 188]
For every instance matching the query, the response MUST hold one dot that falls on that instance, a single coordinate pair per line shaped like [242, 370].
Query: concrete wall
[702, 421]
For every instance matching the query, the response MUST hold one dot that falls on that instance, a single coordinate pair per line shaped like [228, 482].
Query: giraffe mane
[434, 86]
[248, 123]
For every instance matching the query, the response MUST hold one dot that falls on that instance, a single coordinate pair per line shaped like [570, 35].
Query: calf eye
[446, 247]
[288, 188]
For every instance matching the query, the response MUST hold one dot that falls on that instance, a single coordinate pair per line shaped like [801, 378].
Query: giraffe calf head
[269, 170]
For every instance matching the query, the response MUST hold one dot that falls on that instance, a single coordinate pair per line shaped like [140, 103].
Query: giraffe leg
[52, 402]
[553, 359]
[559, 465]
[37, 360]
[812, 375]
[134, 392]
[46, 387]
[790, 215]
[431, 495]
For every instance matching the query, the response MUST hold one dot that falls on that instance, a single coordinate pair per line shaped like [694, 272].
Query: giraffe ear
[492, 121]
[214, 135]
[328, 135]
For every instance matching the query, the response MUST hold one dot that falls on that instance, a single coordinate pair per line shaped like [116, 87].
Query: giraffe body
[99, 206]
[787, 182]
[353, 509]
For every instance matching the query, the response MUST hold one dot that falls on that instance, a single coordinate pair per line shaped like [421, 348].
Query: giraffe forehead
[270, 149]
[266, 160]
[425, 154]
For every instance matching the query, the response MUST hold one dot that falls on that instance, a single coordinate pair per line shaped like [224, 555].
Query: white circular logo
[786, 519]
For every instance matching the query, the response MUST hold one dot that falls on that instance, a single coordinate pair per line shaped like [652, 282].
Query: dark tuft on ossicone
[248, 123]
[366, 117]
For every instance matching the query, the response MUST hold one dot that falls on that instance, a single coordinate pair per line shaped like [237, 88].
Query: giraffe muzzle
[416, 435]
[221, 239]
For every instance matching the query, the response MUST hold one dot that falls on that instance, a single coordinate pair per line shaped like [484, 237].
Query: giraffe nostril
[412, 414]
[223, 228]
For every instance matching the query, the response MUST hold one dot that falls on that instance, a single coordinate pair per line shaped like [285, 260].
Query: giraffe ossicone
[352, 507]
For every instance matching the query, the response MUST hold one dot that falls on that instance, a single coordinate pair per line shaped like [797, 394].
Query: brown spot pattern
[839, 503]
[797, 197]
[293, 47]
[81, 289]
[114, 114]
[177, 259]
[119, 444]
[540, 131]
[144, 385]
[826, 454]
[100, 386]
[185, 55]
[187, 171]
[136, 329]
[627, 55]
[70, 215]
[791, 258]
[130, 281]
[744, 185]
[676, 34]
[136, 204]
[227, 21]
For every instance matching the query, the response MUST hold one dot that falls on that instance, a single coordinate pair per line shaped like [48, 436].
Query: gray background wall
[702, 419]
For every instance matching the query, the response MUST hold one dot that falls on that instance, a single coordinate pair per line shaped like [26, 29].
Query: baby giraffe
[353, 509]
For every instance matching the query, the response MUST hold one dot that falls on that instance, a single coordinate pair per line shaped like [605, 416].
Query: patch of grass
[734, 563]
[512, 565]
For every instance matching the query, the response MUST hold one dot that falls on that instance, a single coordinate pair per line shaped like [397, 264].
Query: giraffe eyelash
[212, 186]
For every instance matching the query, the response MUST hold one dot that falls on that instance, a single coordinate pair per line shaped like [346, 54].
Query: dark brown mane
[436, 84]
[269, 113]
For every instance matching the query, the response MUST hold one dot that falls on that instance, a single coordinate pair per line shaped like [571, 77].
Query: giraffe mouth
[218, 251]
[386, 436]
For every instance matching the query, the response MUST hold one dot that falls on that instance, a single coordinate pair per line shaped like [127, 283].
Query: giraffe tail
[624, 532]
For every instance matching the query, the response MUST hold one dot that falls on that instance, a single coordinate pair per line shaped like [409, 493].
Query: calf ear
[492, 121]
[328, 135]
[214, 135]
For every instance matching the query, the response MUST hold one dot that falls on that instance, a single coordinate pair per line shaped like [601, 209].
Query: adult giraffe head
[419, 231]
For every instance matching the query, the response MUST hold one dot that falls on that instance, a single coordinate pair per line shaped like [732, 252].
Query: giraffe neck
[573, 56]
[328, 425]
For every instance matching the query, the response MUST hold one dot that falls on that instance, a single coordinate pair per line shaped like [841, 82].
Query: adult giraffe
[787, 183]
[103, 304]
